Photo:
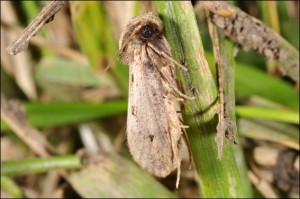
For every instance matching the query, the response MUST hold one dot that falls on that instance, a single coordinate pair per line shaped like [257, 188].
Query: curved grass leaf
[111, 176]
[217, 178]
[267, 113]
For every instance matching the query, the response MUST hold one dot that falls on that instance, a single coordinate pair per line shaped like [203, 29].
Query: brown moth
[154, 130]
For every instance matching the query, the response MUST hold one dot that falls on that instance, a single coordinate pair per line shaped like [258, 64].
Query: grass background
[59, 82]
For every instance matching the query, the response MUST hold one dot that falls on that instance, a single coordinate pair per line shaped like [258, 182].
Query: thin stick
[45, 16]
[221, 124]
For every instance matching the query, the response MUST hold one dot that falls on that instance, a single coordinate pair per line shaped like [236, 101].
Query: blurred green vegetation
[72, 93]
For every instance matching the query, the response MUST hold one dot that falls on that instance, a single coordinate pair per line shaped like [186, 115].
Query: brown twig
[250, 33]
[42, 42]
[45, 16]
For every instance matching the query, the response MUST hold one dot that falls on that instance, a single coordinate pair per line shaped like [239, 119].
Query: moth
[154, 129]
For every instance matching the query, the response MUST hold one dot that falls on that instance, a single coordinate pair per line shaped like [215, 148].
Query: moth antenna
[110, 64]
[184, 126]
[123, 46]
[184, 68]
[173, 98]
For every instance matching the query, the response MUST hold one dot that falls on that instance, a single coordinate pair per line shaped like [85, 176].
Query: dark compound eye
[147, 31]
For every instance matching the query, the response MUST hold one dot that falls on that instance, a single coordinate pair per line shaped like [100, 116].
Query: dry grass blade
[45, 16]
[109, 175]
[18, 67]
[221, 126]
[226, 99]
[13, 114]
[262, 186]
[43, 43]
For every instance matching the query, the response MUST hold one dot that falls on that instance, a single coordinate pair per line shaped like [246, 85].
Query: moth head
[150, 27]
[147, 31]
[139, 31]
[141, 28]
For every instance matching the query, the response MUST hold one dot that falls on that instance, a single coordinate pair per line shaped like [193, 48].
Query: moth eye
[147, 31]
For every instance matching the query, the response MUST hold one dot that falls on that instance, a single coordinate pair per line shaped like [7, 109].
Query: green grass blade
[54, 114]
[217, 178]
[9, 186]
[277, 132]
[94, 35]
[267, 113]
[29, 166]
[252, 81]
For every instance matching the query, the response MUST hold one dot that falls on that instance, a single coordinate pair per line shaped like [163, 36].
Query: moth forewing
[147, 126]
[154, 130]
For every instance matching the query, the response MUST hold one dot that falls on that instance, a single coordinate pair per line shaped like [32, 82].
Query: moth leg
[173, 86]
[164, 75]
[178, 172]
[173, 98]
[188, 146]
[178, 99]
[162, 53]
[182, 126]
[175, 148]
[175, 142]
[174, 125]
[186, 141]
